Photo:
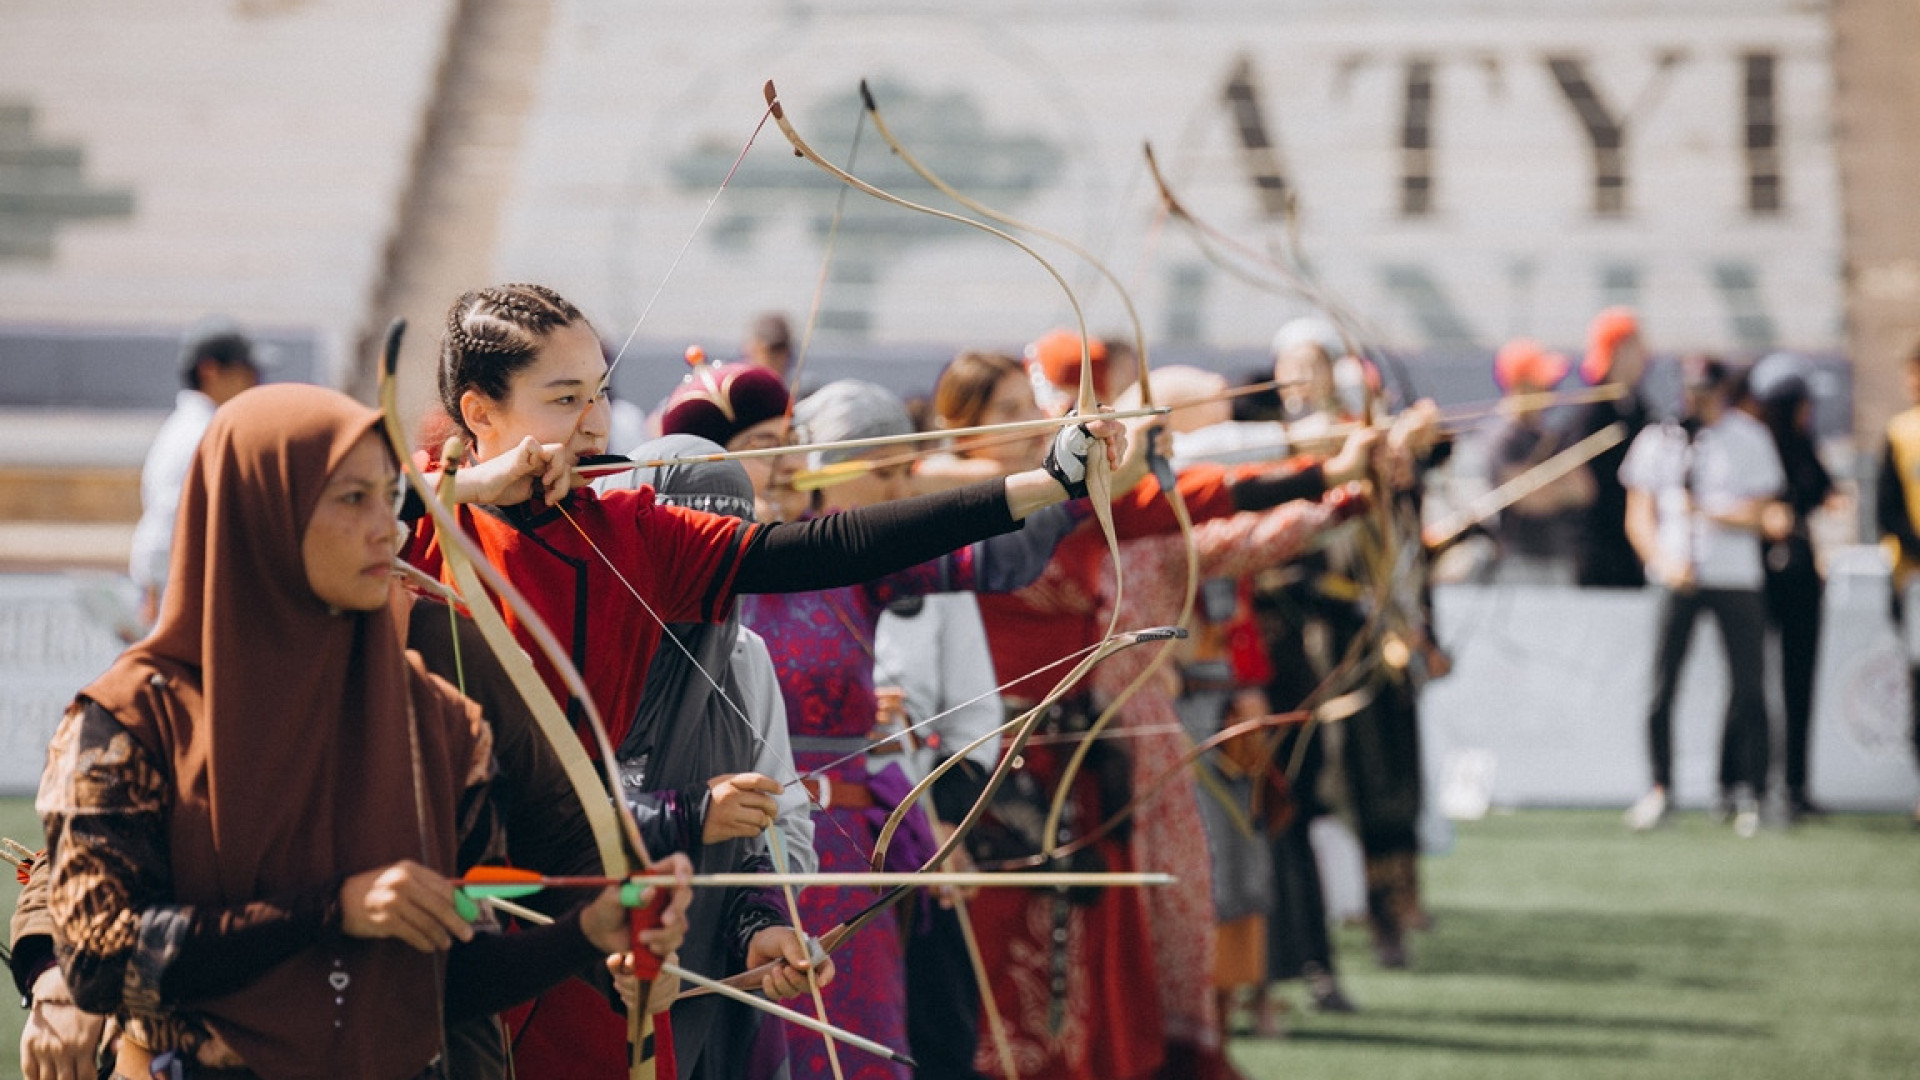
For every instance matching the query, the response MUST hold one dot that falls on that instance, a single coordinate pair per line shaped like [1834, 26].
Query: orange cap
[1058, 355]
[1524, 360]
[1604, 335]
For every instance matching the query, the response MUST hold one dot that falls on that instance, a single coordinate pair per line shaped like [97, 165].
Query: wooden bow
[616, 833]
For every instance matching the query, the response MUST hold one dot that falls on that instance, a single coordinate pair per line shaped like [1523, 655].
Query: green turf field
[1566, 948]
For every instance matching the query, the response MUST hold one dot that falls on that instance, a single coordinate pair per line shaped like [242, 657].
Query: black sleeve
[1890, 506]
[670, 819]
[1015, 560]
[872, 541]
[32, 932]
[1270, 489]
[750, 911]
[231, 947]
[495, 971]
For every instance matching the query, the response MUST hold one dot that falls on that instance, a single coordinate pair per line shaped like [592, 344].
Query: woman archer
[253, 816]
[522, 373]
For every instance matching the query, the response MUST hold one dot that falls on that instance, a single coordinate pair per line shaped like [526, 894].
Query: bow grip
[643, 913]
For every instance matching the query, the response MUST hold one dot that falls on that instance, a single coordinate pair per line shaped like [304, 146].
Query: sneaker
[1325, 990]
[1390, 950]
[1802, 807]
[1746, 815]
[1651, 810]
[1720, 810]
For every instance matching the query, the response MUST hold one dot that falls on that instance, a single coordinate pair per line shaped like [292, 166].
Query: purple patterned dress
[822, 648]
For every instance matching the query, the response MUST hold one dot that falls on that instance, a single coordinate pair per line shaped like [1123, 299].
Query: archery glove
[1067, 458]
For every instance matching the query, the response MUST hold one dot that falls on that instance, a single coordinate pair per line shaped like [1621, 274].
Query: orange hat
[1604, 335]
[1524, 360]
[1058, 356]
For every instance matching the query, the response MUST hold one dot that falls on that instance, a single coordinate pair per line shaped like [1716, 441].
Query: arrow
[502, 882]
[716, 986]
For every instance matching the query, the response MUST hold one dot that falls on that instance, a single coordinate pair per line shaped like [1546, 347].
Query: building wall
[1877, 111]
[1042, 110]
[200, 156]
[247, 155]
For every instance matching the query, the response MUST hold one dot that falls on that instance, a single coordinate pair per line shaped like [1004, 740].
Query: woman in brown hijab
[253, 815]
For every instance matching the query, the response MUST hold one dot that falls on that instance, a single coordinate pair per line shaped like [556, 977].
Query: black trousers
[1742, 618]
[1297, 929]
[1793, 604]
[943, 999]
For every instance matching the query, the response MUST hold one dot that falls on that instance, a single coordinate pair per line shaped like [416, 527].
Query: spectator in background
[217, 361]
[769, 343]
[1534, 533]
[1897, 504]
[1305, 352]
[1794, 588]
[1697, 490]
[1053, 365]
[1615, 357]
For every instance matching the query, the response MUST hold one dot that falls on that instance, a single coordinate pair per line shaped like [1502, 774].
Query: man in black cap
[217, 361]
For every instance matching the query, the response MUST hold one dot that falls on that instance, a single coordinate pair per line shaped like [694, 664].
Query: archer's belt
[827, 793]
[135, 1062]
[845, 745]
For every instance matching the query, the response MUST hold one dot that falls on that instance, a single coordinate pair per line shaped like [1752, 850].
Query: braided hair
[492, 333]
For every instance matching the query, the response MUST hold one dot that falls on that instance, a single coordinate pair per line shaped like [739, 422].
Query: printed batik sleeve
[103, 802]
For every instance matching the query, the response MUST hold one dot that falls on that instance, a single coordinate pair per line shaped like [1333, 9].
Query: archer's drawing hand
[405, 901]
[514, 476]
[739, 805]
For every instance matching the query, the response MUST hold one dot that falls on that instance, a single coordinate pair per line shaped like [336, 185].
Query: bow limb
[1207, 237]
[1211, 239]
[1023, 727]
[777, 845]
[560, 735]
[914, 163]
[1099, 479]
[609, 819]
[1099, 490]
[801, 148]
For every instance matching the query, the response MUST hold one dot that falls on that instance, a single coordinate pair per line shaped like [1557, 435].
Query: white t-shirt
[1731, 462]
[940, 658]
[161, 478]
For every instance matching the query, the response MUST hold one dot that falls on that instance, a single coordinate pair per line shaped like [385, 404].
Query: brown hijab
[285, 729]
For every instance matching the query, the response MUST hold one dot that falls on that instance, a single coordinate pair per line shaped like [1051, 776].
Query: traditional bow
[1163, 471]
[610, 820]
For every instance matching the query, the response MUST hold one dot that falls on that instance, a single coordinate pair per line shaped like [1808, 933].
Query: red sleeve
[1143, 511]
[1207, 489]
[695, 556]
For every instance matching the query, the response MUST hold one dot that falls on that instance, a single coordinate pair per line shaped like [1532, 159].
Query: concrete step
[82, 495]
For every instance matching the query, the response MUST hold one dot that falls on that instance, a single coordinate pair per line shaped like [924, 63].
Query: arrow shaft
[876, 879]
[742, 996]
[868, 443]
